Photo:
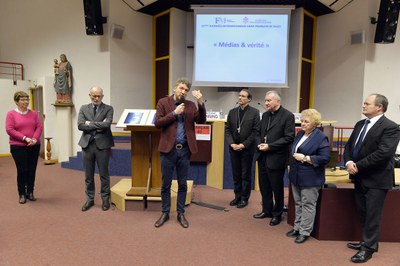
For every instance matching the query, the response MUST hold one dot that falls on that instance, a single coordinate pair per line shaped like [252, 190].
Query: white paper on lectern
[133, 117]
[151, 118]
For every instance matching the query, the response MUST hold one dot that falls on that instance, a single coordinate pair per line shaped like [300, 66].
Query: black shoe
[22, 199]
[301, 239]
[293, 233]
[164, 217]
[182, 220]
[362, 256]
[31, 197]
[234, 202]
[106, 205]
[356, 246]
[262, 215]
[242, 204]
[275, 220]
[88, 204]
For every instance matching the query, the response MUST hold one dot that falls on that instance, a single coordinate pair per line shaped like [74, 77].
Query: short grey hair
[96, 88]
[277, 96]
[381, 99]
[183, 80]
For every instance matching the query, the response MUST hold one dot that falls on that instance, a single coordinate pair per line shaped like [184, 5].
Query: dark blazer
[167, 121]
[101, 126]
[280, 136]
[376, 163]
[317, 147]
[248, 129]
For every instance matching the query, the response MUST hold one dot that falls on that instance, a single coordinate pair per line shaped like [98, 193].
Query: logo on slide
[219, 20]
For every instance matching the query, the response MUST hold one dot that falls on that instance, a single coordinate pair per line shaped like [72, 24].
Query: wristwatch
[304, 159]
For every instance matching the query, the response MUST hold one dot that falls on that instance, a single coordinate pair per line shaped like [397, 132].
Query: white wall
[346, 74]
[35, 32]
[339, 67]
[130, 60]
[382, 68]
[6, 104]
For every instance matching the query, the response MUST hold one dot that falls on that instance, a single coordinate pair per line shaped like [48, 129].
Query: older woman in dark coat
[310, 154]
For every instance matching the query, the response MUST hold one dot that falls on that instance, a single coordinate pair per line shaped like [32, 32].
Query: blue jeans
[179, 159]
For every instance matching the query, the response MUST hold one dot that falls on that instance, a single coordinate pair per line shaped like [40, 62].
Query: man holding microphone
[176, 117]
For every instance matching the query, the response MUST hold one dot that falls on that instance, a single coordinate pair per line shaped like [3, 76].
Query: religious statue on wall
[63, 80]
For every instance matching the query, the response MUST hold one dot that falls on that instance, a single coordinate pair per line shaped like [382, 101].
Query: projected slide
[241, 50]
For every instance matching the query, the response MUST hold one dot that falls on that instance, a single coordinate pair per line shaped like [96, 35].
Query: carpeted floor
[54, 231]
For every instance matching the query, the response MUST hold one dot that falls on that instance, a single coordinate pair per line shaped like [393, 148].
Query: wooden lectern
[146, 166]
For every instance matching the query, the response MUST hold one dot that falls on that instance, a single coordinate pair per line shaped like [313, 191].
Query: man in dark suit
[241, 132]
[369, 160]
[176, 117]
[276, 135]
[94, 121]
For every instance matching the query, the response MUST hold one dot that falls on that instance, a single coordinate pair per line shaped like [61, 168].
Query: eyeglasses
[96, 96]
[24, 99]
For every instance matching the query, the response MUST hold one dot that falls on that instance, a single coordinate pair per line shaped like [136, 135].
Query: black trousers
[26, 159]
[242, 162]
[271, 188]
[369, 203]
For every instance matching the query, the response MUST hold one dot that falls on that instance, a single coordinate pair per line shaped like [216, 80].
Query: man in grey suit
[241, 132]
[276, 135]
[369, 159]
[94, 121]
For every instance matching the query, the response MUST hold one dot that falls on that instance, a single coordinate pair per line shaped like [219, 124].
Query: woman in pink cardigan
[24, 128]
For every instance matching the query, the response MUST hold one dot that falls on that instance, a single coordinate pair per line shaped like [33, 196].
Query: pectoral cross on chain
[266, 130]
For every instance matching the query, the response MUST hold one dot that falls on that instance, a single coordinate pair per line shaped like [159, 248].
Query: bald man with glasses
[94, 121]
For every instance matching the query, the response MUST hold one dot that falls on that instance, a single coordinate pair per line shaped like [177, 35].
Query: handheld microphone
[181, 100]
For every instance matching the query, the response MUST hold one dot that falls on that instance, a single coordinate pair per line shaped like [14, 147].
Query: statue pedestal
[64, 130]
[48, 159]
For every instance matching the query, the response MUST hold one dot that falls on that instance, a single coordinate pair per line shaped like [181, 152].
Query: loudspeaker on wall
[387, 21]
[93, 18]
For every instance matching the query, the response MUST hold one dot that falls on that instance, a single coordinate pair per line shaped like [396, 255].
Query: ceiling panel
[138, 4]
[313, 6]
[335, 5]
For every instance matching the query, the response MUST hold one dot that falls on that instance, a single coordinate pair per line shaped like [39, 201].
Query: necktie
[93, 133]
[357, 147]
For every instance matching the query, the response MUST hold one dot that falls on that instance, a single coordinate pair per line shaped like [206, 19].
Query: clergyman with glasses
[241, 132]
